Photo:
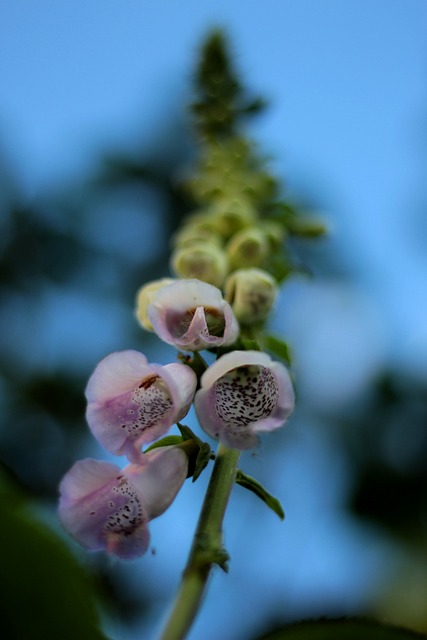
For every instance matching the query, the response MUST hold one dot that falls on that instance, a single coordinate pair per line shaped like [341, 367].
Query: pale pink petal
[107, 506]
[230, 361]
[130, 546]
[182, 383]
[87, 476]
[182, 293]
[117, 373]
[158, 482]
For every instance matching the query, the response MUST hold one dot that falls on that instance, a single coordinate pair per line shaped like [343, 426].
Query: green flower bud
[251, 294]
[203, 261]
[247, 248]
[233, 214]
[274, 232]
[201, 229]
[144, 298]
[204, 187]
[307, 227]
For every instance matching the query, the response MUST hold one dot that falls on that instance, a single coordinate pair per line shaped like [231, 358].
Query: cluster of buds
[226, 242]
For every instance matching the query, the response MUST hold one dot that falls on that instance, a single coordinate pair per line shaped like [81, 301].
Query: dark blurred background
[95, 139]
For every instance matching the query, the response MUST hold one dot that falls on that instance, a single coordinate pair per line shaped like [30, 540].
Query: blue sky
[346, 80]
[347, 125]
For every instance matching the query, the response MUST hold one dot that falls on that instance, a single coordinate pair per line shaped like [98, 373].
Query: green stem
[207, 548]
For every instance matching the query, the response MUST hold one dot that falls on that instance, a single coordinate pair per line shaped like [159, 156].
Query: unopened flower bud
[251, 293]
[260, 186]
[203, 261]
[145, 296]
[247, 248]
[196, 233]
[199, 225]
[274, 232]
[233, 214]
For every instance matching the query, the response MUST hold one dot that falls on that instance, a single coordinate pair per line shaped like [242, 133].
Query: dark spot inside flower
[147, 382]
[246, 394]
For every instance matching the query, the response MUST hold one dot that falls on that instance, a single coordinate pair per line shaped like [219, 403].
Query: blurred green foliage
[350, 629]
[45, 593]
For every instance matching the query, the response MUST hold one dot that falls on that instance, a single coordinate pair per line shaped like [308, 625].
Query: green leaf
[282, 212]
[196, 462]
[279, 348]
[167, 441]
[202, 459]
[349, 629]
[257, 488]
[249, 344]
[186, 433]
[46, 593]
[307, 227]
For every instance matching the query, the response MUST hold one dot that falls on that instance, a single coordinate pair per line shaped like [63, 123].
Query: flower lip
[208, 321]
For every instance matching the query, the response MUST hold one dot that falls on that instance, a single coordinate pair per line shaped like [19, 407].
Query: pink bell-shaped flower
[104, 507]
[241, 394]
[193, 315]
[132, 402]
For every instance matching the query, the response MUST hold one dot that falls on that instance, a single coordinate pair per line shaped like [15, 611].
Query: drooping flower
[203, 260]
[132, 402]
[247, 248]
[243, 393]
[193, 315]
[198, 227]
[104, 507]
[233, 214]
